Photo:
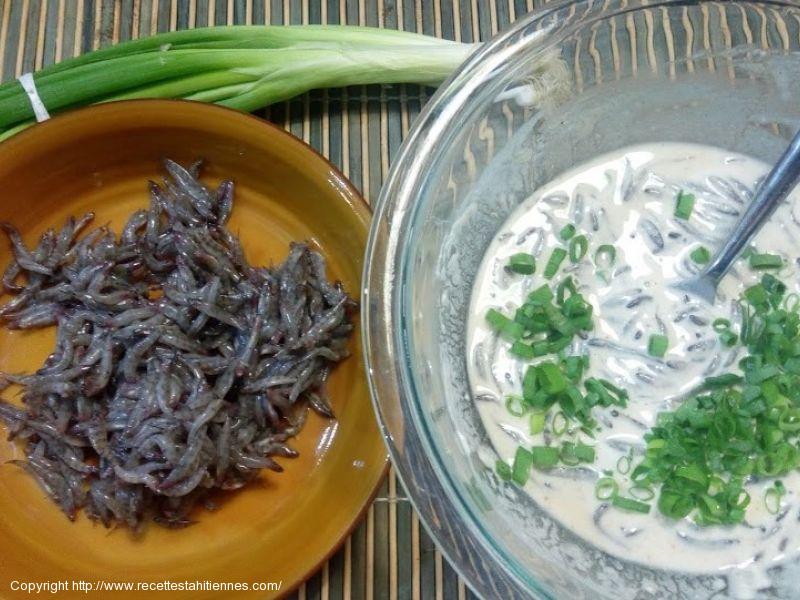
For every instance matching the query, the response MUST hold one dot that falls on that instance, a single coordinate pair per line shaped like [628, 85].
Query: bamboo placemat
[389, 555]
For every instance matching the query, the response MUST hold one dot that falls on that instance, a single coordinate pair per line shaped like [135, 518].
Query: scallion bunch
[242, 67]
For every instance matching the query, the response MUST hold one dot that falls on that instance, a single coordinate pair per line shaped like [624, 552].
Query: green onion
[657, 345]
[516, 406]
[791, 302]
[578, 247]
[522, 263]
[544, 457]
[523, 350]
[721, 381]
[567, 454]
[684, 205]
[584, 453]
[772, 499]
[674, 505]
[242, 67]
[605, 256]
[621, 396]
[728, 338]
[757, 296]
[556, 258]
[789, 420]
[693, 474]
[537, 420]
[700, 255]
[736, 426]
[567, 285]
[559, 424]
[529, 384]
[720, 325]
[774, 287]
[630, 504]
[553, 380]
[566, 232]
[541, 295]
[606, 488]
[573, 367]
[503, 470]
[642, 492]
[503, 325]
[521, 469]
[760, 374]
[624, 464]
[765, 261]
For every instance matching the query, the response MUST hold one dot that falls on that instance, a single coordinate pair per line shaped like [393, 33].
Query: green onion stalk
[242, 67]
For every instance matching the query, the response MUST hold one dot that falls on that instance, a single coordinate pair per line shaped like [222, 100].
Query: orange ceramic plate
[281, 528]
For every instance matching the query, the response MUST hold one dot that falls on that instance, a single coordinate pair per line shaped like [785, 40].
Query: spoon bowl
[770, 194]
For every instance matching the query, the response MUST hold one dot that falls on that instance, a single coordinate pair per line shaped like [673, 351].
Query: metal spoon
[772, 191]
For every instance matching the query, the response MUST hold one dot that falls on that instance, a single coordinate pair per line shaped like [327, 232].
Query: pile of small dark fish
[179, 368]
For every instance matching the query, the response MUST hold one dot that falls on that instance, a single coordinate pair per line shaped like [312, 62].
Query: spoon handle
[774, 189]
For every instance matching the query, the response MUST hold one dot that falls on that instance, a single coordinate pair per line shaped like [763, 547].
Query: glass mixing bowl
[569, 82]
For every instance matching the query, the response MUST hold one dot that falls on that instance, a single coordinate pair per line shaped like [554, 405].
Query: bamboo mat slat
[389, 555]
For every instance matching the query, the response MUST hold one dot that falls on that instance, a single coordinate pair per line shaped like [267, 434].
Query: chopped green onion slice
[578, 247]
[523, 350]
[772, 500]
[551, 377]
[541, 295]
[566, 232]
[605, 256]
[720, 325]
[529, 384]
[573, 367]
[721, 381]
[503, 470]
[503, 325]
[757, 296]
[566, 285]
[621, 395]
[624, 465]
[567, 454]
[700, 255]
[765, 261]
[657, 345]
[692, 475]
[522, 263]
[728, 338]
[584, 453]
[559, 423]
[791, 302]
[674, 505]
[642, 492]
[537, 420]
[544, 457]
[789, 421]
[606, 488]
[630, 504]
[556, 258]
[516, 406]
[684, 205]
[521, 469]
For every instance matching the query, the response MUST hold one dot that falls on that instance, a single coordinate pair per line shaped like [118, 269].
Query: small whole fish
[178, 368]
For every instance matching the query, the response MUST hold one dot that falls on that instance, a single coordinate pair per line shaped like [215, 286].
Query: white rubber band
[29, 86]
